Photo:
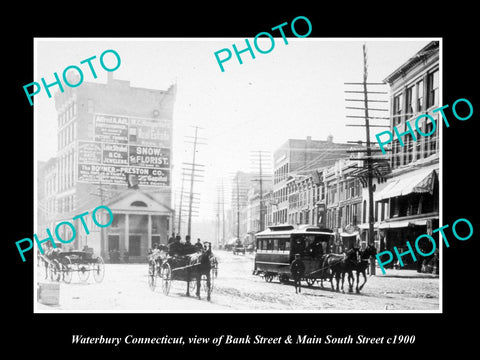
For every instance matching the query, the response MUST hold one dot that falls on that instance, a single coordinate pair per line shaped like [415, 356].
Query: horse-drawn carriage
[277, 246]
[59, 265]
[199, 270]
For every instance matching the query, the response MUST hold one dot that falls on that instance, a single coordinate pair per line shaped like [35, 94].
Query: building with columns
[114, 149]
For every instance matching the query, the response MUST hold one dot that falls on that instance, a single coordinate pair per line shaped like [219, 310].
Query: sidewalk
[404, 273]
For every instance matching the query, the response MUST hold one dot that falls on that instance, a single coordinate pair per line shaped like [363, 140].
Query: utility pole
[220, 215]
[193, 175]
[238, 209]
[180, 207]
[368, 160]
[223, 216]
[258, 158]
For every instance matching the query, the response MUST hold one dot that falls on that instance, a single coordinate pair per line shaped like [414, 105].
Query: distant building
[244, 185]
[300, 157]
[115, 149]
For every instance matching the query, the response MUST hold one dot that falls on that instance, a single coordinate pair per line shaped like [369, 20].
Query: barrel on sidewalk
[48, 293]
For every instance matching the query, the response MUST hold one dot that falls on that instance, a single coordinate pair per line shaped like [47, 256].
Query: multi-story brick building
[115, 149]
[299, 156]
[411, 192]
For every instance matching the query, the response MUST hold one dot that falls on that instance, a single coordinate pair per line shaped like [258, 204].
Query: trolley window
[273, 245]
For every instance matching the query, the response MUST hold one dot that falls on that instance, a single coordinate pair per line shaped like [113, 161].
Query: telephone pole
[258, 157]
[194, 168]
[368, 161]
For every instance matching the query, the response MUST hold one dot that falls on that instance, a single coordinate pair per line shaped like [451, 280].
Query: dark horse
[362, 265]
[339, 264]
[203, 266]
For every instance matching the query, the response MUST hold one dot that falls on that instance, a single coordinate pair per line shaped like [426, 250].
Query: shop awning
[366, 226]
[394, 224]
[420, 181]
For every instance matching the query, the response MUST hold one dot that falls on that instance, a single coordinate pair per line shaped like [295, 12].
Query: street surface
[125, 289]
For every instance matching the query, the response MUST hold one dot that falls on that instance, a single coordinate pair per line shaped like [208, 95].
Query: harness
[327, 267]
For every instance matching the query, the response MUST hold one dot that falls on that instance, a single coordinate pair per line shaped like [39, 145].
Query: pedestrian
[297, 269]
[188, 247]
[176, 247]
[198, 245]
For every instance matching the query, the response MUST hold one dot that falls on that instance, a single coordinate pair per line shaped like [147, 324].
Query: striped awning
[420, 181]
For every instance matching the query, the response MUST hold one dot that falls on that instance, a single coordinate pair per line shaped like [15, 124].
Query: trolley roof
[283, 230]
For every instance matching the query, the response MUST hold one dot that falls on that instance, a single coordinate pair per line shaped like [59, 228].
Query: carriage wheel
[54, 270]
[83, 272]
[42, 269]
[310, 281]
[166, 274]
[67, 270]
[192, 286]
[152, 276]
[268, 277]
[98, 270]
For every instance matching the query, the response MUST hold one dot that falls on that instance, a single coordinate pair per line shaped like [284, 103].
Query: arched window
[138, 203]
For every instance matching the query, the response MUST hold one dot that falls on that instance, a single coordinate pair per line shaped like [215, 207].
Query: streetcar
[277, 246]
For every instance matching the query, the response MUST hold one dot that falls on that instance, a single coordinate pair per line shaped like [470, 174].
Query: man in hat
[297, 269]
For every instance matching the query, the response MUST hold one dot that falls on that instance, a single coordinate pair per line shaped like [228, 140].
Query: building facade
[411, 193]
[115, 146]
[299, 157]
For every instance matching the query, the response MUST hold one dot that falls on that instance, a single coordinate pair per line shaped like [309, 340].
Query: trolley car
[277, 246]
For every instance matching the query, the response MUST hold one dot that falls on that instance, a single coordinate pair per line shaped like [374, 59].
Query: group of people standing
[176, 247]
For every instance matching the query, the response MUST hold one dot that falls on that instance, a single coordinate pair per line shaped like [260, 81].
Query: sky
[294, 91]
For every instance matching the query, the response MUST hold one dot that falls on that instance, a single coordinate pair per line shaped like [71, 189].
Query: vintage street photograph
[207, 175]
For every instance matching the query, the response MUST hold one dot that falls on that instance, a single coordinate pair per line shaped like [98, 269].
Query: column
[127, 231]
[149, 232]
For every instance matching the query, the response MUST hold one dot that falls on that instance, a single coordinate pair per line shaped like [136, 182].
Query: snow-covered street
[125, 289]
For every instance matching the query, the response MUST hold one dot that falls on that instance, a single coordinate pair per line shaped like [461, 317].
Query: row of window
[347, 189]
[66, 171]
[66, 204]
[273, 244]
[280, 174]
[410, 102]
[50, 185]
[67, 114]
[279, 217]
[344, 215]
[67, 135]
[414, 150]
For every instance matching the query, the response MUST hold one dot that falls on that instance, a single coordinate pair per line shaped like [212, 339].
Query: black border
[434, 332]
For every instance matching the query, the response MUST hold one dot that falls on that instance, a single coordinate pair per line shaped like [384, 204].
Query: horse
[203, 266]
[339, 264]
[362, 264]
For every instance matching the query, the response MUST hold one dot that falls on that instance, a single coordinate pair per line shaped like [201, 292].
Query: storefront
[413, 199]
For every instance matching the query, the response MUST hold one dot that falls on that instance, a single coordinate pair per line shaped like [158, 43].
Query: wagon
[168, 269]
[60, 265]
[238, 249]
